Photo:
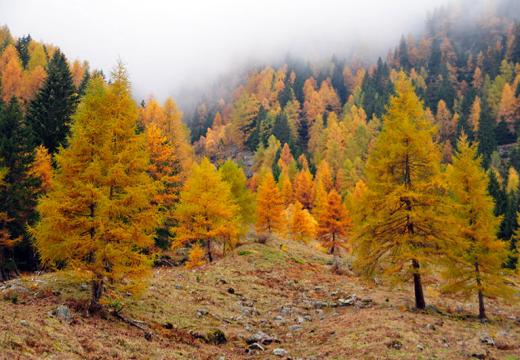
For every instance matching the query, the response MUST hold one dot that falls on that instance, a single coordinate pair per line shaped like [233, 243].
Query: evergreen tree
[18, 194]
[486, 134]
[22, 45]
[50, 111]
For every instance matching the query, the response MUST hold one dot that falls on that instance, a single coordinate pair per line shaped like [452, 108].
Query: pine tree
[402, 208]
[18, 195]
[7, 241]
[476, 264]
[206, 211]
[334, 223]
[50, 111]
[269, 207]
[99, 217]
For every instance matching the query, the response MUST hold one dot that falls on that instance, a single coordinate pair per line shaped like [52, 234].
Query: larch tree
[476, 265]
[269, 207]
[11, 73]
[404, 227]
[301, 224]
[233, 174]
[99, 216]
[206, 212]
[164, 169]
[334, 223]
[304, 188]
[50, 112]
[42, 168]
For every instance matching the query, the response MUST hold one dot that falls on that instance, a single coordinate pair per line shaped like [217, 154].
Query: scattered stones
[62, 313]
[260, 337]
[395, 344]
[24, 323]
[216, 337]
[279, 352]
[202, 312]
[286, 310]
[420, 347]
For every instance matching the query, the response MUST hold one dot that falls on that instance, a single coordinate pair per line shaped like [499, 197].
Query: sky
[168, 46]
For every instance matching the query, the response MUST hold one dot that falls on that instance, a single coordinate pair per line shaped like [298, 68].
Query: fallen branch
[141, 325]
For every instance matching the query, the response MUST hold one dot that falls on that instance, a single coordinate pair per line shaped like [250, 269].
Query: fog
[170, 45]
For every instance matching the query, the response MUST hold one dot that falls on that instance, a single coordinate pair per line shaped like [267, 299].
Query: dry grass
[242, 294]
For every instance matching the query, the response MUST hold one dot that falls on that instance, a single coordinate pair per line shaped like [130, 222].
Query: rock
[202, 312]
[459, 309]
[295, 328]
[216, 337]
[167, 325]
[221, 281]
[478, 353]
[84, 287]
[279, 352]
[178, 287]
[256, 346]
[300, 319]
[260, 337]
[249, 311]
[148, 336]
[348, 301]
[395, 344]
[365, 303]
[231, 291]
[62, 312]
[486, 339]
[319, 304]
[420, 347]
[285, 310]
[431, 327]
[24, 323]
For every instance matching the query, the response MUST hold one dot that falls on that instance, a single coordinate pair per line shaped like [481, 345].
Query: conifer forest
[358, 202]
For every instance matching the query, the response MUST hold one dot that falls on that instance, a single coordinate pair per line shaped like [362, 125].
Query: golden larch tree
[304, 188]
[476, 265]
[301, 224]
[42, 168]
[98, 216]
[206, 212]
[404, 226]
[334, 223]
[269, 207]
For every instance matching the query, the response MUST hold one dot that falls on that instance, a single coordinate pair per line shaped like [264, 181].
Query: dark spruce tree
[22, 45]
[486, 134]
[18, 194]
[50, 111]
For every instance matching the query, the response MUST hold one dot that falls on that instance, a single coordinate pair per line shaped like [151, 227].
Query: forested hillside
[398, 179]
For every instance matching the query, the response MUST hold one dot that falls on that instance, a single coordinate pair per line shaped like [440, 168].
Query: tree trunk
[419, 294]
[481, 306]
[208, 245]
[331, 251]
[97, 292]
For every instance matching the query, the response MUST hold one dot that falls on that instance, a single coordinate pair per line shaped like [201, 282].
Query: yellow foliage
[269, 207]
[98, 216]
[196, 257]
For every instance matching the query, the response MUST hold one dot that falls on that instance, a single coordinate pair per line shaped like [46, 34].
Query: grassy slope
[269, 279]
